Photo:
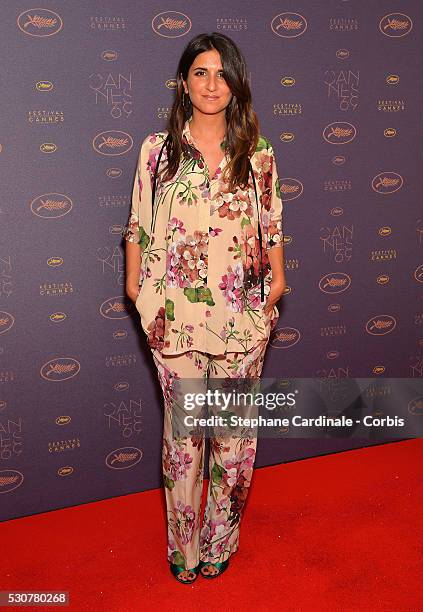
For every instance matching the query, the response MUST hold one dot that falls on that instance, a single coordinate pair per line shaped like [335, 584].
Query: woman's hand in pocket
[277, 289]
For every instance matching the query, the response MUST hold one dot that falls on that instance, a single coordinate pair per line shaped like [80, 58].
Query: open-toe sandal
[178, 569]
[219, 566]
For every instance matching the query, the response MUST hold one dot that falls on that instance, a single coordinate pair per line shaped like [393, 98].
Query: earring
[184, 101]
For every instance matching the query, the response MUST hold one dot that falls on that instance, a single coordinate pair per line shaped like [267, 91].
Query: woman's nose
[211, 83]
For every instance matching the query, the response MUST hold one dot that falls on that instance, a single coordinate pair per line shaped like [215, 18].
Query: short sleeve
[272, 217]
[138, 226]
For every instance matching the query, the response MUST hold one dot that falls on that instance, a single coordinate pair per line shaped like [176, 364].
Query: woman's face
[206, 85]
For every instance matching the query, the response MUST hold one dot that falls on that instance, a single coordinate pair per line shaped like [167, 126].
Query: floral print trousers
[231, 460]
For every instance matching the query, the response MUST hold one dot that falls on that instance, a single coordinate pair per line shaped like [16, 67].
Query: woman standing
[204, 268]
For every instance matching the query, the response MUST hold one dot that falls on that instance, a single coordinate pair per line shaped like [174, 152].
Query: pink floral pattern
[199, 250]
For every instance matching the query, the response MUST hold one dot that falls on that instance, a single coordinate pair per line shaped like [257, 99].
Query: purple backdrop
[336, 86]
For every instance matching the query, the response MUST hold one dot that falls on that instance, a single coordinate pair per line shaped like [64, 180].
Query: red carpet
[337, 532]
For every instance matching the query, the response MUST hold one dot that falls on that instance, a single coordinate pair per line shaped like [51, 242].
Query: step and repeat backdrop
[337, 88]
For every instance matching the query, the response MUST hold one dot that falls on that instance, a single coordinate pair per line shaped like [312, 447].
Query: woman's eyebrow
[202, 68]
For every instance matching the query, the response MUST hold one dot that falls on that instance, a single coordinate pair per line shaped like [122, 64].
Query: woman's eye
[201, 72]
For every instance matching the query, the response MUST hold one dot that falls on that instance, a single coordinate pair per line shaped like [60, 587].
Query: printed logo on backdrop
[416, 368]
[171, 24]
[334, 307]
[171, 84]
[287, 108]
[48, 147]
[54, 289]
[287, 137]
[51, 205]
[290, 188]
[116, 229]
[380, 325]
[332, 375]
[391, 106]
[337, 211]
[111, 200]
[390, 132]
[60, 369]
[338, 241]
[114, 173]
[39, 22]
[336, 185]
[123, 458]
[284, 337]
[61, 446]
[46, 117]
[415, 406]
[121, 386]
[343, 24]
[292, 263]
[63, 420]
[7, 376]
[122, 360]
[396, 25]
[7, 321]
[233, 24]
[329, 331]
[339, 132]
[66, 470]
[114, 91]
[11, 438]
[109, 56]
[343, 86]
[289, 25]
[112, 262]
[163, 112]
[126, 416]
[418, 274]
[10, 480]
[44, 86]
[338, 160]
[57, 317]
[108, 23]
[342, 54]
[55, 262]
[383, 254]
[112, 142]
[120, 334]
[335, 282]
[387, 182]
[380, 369]
[118, 307]
[392, 79]
[288, 81]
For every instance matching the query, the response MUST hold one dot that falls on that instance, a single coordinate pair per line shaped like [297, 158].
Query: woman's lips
[211, 97]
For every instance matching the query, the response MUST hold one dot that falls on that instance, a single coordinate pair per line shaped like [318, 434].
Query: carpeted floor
[339, 532]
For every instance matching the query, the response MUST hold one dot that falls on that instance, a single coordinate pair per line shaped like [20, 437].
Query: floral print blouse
[200, 252]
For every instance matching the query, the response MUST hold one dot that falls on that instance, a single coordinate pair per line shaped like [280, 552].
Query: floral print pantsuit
[201, 311]
[215, 537]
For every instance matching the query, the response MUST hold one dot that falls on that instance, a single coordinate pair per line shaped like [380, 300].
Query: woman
[205, 276]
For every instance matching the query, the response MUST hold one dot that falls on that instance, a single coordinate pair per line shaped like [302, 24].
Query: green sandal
[220, 566]
[178, 569]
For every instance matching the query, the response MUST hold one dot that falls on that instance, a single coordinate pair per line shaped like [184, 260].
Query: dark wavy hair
[242, 123]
